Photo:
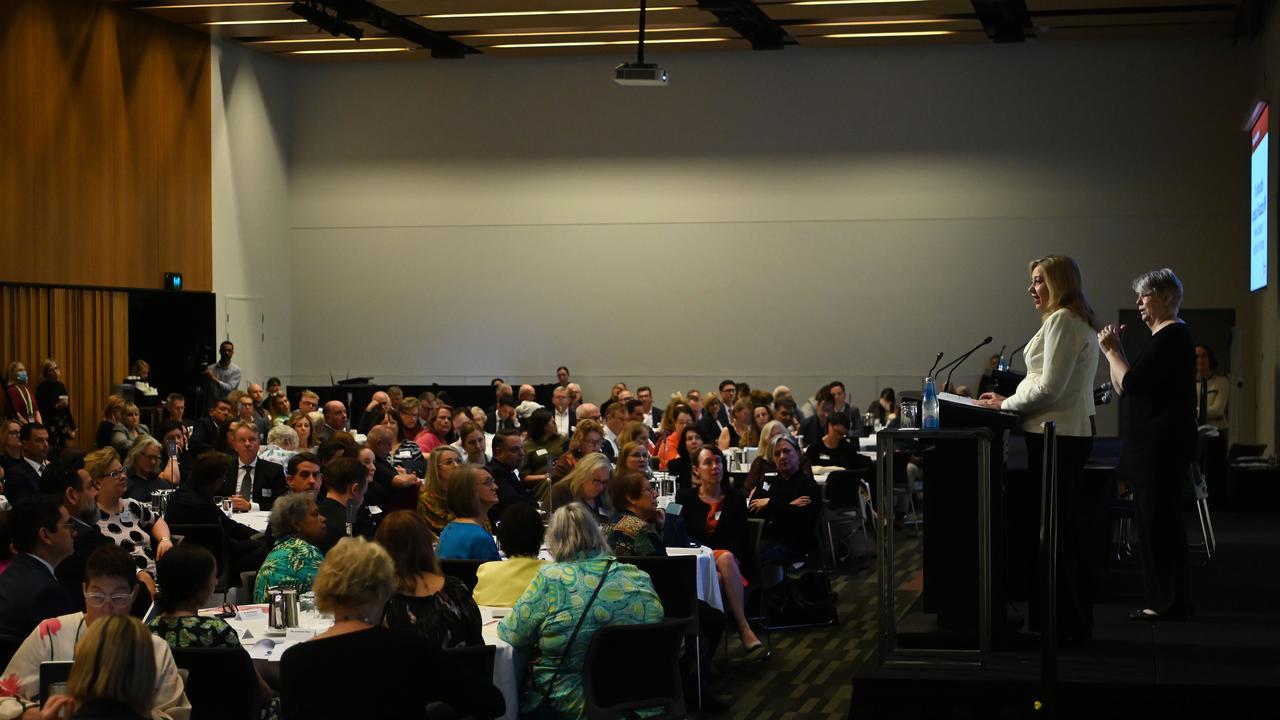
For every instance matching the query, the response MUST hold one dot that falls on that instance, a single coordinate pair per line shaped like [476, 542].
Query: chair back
[651, 656]
[211, 537]
[476, 660]
[221, 683]
[464, 570]
[841, 490]
[675, 580]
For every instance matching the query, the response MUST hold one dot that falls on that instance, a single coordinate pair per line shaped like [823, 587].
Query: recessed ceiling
[564, 27]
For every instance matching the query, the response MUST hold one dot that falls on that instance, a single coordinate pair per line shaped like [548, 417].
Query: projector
[640, 74]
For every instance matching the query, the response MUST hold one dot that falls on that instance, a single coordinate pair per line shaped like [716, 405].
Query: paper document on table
[960, 399]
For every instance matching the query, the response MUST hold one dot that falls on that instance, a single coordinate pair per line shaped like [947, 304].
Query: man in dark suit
[192, 504]
[205, 435]
[653, 414]
[23, 478]
[68, 481]
[391, 489]
[503, 417]
[252, 484]
[335, 420]
[508, 454]
[728, 396]
[29, 590]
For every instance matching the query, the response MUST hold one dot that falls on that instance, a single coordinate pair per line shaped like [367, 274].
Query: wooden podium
[963, 544]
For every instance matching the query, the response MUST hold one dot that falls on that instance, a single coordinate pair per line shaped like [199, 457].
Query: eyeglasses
[150, 456]
[97, 599]
[115, 474]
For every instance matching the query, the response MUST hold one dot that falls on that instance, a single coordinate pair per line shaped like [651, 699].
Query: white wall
[251, 261]
[779, 217]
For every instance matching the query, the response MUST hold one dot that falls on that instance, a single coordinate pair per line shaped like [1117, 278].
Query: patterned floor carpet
[808, 673]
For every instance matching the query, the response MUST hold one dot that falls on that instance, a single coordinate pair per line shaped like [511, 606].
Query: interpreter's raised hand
[1109, 338]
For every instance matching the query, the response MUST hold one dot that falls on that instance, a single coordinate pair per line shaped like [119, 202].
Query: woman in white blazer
[1062, 359]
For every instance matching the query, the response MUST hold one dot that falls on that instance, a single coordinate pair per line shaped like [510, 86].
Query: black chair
[675, 580]
[843, 503]
[221, 683]
[761, 578]
[651, 654]
[9, 645]
[476, 659]
[464, 570]
[214, 539]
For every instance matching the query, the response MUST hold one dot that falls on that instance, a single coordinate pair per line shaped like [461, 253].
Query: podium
[963, 545]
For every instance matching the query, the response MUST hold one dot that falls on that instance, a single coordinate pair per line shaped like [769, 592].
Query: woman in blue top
[470, 494]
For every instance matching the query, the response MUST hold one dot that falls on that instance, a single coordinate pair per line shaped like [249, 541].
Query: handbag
[546, 709]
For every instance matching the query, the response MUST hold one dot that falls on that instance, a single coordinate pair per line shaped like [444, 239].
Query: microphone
[1014, 353]
[935, 365]
[956, 363]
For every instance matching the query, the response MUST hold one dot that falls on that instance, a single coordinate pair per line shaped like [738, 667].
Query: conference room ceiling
[535, 28]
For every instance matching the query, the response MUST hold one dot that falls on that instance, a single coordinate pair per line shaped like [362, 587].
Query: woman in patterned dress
[130, 524]
[297, 525]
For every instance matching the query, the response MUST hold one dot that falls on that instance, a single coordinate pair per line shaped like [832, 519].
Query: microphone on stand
[956, 363]
[1012, 354]
[935, 365]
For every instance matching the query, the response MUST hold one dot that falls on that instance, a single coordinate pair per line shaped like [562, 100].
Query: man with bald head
[335, 420]
[374, 411]
[527, 394]
[391, 488]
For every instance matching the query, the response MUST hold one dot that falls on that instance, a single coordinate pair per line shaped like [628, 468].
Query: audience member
[278, 408]
[562, 376]
[187, 576]
[405, 454]
[833, 451]
[565, 416]
[246, 412]
[433, 501]
[763, 463]
[652, 415]
[207, 429]
[503, 416]
[342, 506]
[141, 478]
[22, 405]
[426, 602]
[635, 456]
[301, 424]
[615, 420]
[784, 411]
[789, 502]
[542, 446]
[193, 504]
[282, 444]
[587, 483]
[679, 417]
[402, 672]
[885, 408]
[471, 493]
[335, 420]
[253, 483]
[392, 488]
[54, 405]
[587, 438]
[174, 458]
[12, 454]
[42, 534]
[175, 407]
[379, 405]
[681, 466]
[508, 454]
[637, 528]
[109, 590]
[128, 430]
[116, 677]
[637, 432]
[499, 583]
[551, 622]
[741, 431]
[473, 444]
[438, 431]
[410, 423]
[716, 515]
[297, 525]
[68, 482]
[575, 394]
[126, 522]
[23, 478]
[224, 375]
[308, 402]
[110, 418]
[710, 424]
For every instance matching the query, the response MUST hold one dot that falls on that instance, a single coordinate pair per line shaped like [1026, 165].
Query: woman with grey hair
[282, 444]
[141, 463]
[789, 500]
[1159, 439]
[297, 525]
[583, 590]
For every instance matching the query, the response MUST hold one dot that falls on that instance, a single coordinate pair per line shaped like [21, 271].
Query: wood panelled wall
[104, 147]
[85, 331]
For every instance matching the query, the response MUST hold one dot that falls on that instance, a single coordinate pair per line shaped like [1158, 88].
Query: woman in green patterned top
[544, 617]
[297, 525]
[637, 529]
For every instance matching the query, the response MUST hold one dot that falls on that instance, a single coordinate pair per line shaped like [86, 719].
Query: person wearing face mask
[22, 405]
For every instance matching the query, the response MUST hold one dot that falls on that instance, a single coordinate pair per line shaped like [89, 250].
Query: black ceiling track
[336, 16]
[749, 21]
[1005, 21]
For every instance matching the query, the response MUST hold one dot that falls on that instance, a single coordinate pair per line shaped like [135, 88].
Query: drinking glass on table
[910, 415]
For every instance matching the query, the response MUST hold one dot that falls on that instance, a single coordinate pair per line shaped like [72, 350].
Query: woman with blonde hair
[432, 500]
[1062, 358]
[636, 432]
[128, 430]
[301, 424]
[764, 462]
[586, 484]
[55, 407]
[741, 430]
[114, 676]
[588, 437]
[110, 418]
[22, 405]
[402, 671]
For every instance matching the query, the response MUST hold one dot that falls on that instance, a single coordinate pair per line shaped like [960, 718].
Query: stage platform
[1224, 664]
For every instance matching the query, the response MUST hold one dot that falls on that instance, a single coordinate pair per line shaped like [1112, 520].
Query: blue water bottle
[929, 408]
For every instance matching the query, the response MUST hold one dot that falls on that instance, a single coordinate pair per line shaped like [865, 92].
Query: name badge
[404, 455]
[374, 509]
[266, 492]
[541, 452]
[765, 486]
[717, 516]
[824, 456]
[126, 517]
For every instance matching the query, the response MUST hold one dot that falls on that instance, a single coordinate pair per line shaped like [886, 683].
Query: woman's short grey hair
[139, 446]
[1160, 282]
[573, 530]
[283, 437]
[785, 437]
[288, 512]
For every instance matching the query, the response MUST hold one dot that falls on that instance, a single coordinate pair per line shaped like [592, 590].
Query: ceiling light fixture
[213, 5]
[255, 22]
[852, 2]
[317, 13]
[594, 43]
[310, 40]
[349, 50]
[531, 13]
[919, 33]
[583, 32]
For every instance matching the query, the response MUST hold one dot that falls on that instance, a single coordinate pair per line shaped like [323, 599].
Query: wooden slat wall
[105, 139]
[85, 331]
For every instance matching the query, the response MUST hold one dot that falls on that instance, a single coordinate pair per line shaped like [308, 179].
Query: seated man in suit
[23, 478]
[335, 420]
[67, 480]
[652, 415]
[392, 489]
[253, 484]
[508, 454]
[192, 504]
[503, 417]
[205, 435]
[564, 415]
[41, 532]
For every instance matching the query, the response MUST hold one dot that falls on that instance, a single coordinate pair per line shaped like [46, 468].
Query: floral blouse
[131, 530]
[293, 562]
[194, 631]
[630, 535]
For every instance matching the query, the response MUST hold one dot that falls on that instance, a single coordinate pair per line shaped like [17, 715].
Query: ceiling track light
[317, 14]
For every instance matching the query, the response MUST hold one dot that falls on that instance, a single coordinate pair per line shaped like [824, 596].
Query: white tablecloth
[506, 671]
[258, 519]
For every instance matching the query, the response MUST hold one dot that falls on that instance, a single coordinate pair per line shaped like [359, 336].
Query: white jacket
[1062, 359]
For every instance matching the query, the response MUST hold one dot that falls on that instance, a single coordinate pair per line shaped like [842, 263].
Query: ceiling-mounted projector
[640, 74]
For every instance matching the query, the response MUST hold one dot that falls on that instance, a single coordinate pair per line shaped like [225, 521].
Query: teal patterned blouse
[191, 631]
[546, 613]
[293, 562]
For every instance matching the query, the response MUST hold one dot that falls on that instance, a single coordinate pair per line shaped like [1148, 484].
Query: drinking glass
[910, 415]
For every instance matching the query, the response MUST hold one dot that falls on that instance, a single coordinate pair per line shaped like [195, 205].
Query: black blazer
[510, 490]
[29, 593]
[70, 572]
[731, 530]
[20, 482]
[204, 437]
[188, 506]
[268, 482]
